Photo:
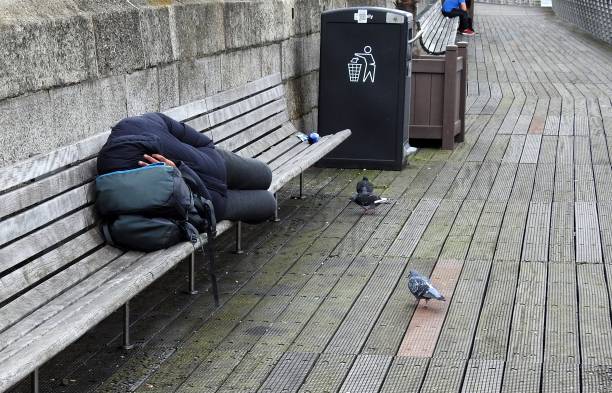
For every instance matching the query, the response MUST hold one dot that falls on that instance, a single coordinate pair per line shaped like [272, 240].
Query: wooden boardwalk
[515, 225]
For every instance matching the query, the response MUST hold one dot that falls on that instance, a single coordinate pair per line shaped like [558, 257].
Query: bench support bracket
[239, 249]
[126, 327]
[192, 290]
[34, 380]
[301, 196]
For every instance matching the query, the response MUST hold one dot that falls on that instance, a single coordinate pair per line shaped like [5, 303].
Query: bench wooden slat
[286, 156]
[55, 311]
[48, 263]
[444, 34]
[188, 111]
[434, 30]
[199, 123]
[44, 213]
[96, 301]
[51, 288]
[238, 125]
[245, 106]
[227, 97]
[304, 154]
[430, 35]
[34, 167]
[451, 32]
[27, 247]
[301, 163]
[278, 149]
[255, 132]
[438, 30]
[428, 17]
[271, 139]
[32, 194]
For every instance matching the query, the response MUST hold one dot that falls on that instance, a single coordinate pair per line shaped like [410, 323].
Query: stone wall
[72, 68]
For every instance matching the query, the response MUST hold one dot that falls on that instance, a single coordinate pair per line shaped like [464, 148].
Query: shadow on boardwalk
[514, 224]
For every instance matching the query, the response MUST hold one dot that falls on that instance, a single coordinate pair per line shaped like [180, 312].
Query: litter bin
[364, 85]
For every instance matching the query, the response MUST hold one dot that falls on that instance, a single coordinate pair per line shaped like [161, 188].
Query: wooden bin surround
[438, 96]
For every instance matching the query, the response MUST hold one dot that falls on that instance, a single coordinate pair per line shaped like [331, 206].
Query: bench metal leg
[126, 327]
[192, 290]
[34, 380]
[211, 269]
[301, 196]
[276, 219]
[239, 238]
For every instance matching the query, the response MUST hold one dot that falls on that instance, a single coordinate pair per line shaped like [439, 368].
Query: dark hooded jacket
[151, 133]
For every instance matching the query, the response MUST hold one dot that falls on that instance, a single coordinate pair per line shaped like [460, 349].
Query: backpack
[151, 208]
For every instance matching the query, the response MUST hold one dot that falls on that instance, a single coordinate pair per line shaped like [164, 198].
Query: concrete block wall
[72, 68]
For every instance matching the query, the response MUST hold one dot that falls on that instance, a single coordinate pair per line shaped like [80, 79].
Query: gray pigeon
[368, 201]
[365, 196]
[421, 287]
[364, 186]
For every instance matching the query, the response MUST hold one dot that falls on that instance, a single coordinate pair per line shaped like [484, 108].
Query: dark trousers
[465, 22]
[248, 180]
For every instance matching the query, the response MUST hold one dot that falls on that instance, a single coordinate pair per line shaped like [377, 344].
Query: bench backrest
[438, 30]
[48, 221]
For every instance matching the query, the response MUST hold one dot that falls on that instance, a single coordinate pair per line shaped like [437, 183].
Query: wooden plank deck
[515, 223]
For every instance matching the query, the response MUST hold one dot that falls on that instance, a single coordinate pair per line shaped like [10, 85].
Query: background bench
[437, 31]
[58, 278]
[439, 81]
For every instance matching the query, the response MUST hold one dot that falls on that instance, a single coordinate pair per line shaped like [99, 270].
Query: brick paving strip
[426, 323]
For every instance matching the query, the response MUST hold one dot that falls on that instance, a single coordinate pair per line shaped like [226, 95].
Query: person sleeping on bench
[236, 186]
[459, 8]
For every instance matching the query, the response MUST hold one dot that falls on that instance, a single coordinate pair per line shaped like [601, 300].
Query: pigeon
[365, 196]
[421, 287]
[364, 186]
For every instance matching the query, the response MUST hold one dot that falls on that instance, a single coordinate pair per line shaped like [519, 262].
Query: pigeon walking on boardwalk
[365, 196]
[365, 186]
[421, 287]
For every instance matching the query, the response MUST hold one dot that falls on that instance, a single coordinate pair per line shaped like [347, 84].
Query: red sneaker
[468, 32]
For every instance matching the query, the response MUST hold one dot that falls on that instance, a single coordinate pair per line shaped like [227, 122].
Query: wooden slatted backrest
[438, 30]
[48, 222]
[251, 120]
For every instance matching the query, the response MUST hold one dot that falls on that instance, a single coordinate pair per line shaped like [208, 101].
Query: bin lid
[369, 15]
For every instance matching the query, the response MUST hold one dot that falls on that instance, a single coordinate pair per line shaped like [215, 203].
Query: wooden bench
[439, 81]
[436, 31]
[58, 278]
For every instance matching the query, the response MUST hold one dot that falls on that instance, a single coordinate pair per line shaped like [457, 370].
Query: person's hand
[154, 159]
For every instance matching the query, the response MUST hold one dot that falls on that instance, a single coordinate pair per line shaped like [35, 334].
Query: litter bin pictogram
[354, 69]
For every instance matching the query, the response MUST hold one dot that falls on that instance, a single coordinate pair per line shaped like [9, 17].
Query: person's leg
[245, 173]
[463, 20]
[456, 12]
[250, 206]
